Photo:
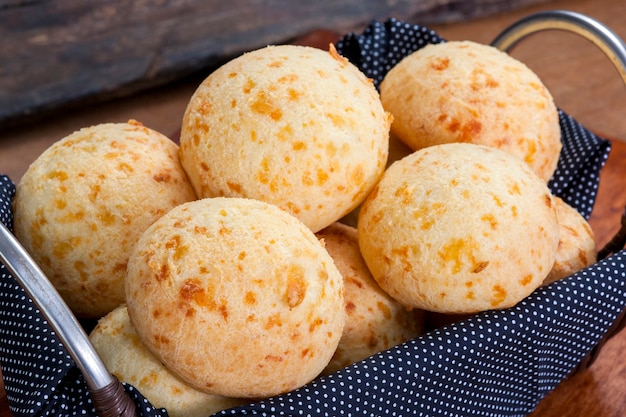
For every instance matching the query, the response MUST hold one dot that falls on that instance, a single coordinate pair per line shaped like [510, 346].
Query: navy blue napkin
[497, 363]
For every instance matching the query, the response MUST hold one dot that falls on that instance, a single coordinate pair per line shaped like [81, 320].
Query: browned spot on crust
[162, 177]
[263, 105]
[248, 86]
[273, 321]
[161, 340]
[333, 52]
[384, 309]
[298, 146]
[233, 186]
[404, 192]
[60, 204]
[457, 252]
[582, 257]
[58, 175]
[480, 266]
[499, 294]
[250, 298]
[440, 64]
[315, 324]
[490, 218]
[548, 200]
[514, 189]
[372, 341]
[162, 273]
[119, 267]
[355, 282]
[350, 307]
[289, 78]
[193, 291]
[464, 132]
[223, 309]
[296, 286]
[526, 280]
[402, 254]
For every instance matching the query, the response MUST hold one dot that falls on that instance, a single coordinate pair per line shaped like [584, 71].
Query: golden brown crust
[462, 91]
[85, 201]
[295, 126]
[459, 228]
[374, 320]
[577, 244]
[119, 347]
[236, 296]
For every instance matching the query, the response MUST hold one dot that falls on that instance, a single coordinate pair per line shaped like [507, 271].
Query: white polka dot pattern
[497, 363]
[40, 377]
[383, 44]
[578, 171]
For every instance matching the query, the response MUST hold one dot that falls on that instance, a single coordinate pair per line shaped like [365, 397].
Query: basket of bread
[394, 226]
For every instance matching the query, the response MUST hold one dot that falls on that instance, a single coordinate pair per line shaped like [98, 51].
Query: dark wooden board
[67, 52]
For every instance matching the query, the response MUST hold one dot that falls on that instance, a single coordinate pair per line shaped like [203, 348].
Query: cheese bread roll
[459, 228]
[83, 203]
[462, 91]
[117, 343]
[374, 320]
[577, 243]
[236, 296]
[294, 126]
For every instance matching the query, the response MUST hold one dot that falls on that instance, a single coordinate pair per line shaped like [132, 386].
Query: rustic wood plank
[56, 53]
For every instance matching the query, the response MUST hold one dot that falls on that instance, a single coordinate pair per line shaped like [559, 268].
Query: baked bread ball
[462, 91]
[459, 228]
[577, 243]
[374, 320]
[119, 347]
[294, 126]
[83, 203]
[236, 296]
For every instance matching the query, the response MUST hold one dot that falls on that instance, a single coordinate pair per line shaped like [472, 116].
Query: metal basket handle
[107, 393]
[598, 33]
[615, 49]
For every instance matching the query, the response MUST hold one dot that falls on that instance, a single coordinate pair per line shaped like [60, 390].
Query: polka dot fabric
[383, 44]
[40, 377]
[497, 363]
[577, 174]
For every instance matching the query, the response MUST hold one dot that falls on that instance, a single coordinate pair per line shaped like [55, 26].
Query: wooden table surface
[583, 82]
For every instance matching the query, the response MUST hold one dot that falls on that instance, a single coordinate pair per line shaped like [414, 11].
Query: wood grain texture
[58, 53]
